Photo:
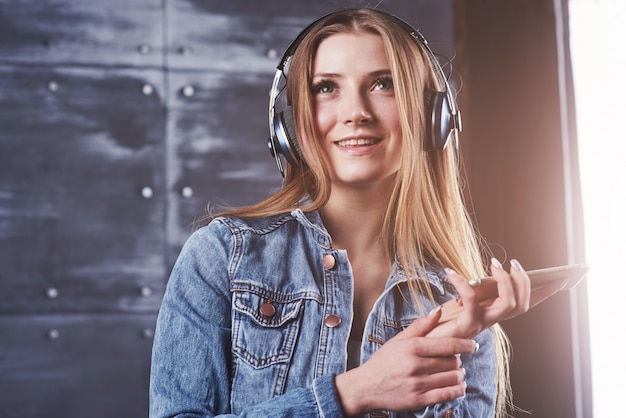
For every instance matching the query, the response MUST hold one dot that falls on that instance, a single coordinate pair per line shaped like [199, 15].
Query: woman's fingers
[471, 319]
[506, 300]
[421, 326]
[443, 394]
[467, 293]
[440, 347]
[513, 291]
[472, 312]
[406, 374]
[418, 365]
[444, 379]
[522, 287]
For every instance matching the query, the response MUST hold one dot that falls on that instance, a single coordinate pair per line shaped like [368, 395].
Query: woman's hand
[408, 372]
[472, 312]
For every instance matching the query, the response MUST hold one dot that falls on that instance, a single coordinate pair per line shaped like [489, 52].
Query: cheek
[323, 120]
[323, 124]
[392, 119]
[392, 116]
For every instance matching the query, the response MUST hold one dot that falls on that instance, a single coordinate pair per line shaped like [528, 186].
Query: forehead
[350, 50]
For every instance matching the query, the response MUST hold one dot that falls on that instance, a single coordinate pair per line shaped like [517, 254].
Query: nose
[356, 108]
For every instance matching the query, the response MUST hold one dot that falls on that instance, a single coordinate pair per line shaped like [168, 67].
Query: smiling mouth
[356, 142]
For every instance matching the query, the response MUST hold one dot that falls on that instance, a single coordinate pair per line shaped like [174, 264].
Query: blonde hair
[426, 219]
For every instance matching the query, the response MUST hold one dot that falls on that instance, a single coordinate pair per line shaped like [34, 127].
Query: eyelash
[317, 87]
[385, 80]
[322, 84]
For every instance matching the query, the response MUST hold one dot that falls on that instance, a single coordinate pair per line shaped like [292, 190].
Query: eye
[323, 87]
[383, 83]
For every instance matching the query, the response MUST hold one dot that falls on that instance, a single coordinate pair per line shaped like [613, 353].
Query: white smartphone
[569, 276]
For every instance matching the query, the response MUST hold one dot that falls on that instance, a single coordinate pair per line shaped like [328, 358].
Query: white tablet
[569, 276]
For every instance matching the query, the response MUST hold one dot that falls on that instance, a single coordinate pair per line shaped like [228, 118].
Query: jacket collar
[430, 274]
[313, 222]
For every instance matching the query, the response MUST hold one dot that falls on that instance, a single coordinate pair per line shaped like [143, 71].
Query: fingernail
[449, 271]
[477, 346]
[463, 370]
[475, 282]
[435, 311]
[496, 263]
[516, 265]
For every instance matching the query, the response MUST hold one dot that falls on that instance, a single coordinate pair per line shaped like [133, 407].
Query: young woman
[324, 299]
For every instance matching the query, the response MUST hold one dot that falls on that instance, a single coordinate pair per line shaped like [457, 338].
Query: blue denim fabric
[215, 353]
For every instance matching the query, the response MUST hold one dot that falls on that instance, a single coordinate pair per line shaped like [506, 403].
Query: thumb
[421, 326]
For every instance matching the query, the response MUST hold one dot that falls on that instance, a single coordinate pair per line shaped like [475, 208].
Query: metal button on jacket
[267, 309]
[332, 321]
[329, 261]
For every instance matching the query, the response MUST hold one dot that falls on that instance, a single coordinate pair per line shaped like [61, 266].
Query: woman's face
[355, 109]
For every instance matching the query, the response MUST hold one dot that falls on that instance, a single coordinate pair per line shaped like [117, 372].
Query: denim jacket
[255, 323]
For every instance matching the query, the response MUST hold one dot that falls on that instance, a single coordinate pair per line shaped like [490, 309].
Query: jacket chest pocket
[264, 330]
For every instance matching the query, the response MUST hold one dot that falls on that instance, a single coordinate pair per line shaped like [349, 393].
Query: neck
[354, 220]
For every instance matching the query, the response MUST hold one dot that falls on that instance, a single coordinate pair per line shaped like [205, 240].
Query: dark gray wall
[119, 122]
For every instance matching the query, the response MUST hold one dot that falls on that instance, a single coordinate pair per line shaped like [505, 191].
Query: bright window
[597, 35]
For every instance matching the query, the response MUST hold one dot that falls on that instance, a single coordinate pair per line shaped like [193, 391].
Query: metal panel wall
[119, 122]
[82, 128]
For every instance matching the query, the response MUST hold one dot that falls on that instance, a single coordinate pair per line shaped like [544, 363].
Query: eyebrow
[372, 74]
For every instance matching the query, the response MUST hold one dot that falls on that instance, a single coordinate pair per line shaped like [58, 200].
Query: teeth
[353, 142]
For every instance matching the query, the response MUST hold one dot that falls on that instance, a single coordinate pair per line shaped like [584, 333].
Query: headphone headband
[445, 117]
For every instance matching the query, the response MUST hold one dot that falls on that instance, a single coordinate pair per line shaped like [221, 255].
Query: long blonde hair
[426, 219]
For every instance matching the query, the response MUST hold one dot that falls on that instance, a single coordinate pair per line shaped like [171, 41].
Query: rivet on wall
[53, 86]
[144, 49]
[147, 89]
[145, 291]
[147, 192]
[272, 54]
[188, 91]
[52, 293]
[186, 192]
[53, 334]
[147, 333]
[185, 50]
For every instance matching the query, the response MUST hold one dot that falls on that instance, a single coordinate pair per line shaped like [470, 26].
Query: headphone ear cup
[286, 139]
[438, 109]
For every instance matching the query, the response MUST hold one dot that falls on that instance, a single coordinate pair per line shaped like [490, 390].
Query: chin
[359, 180]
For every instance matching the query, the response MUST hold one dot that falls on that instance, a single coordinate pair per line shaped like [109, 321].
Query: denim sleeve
[191, 355]
[481, 377]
